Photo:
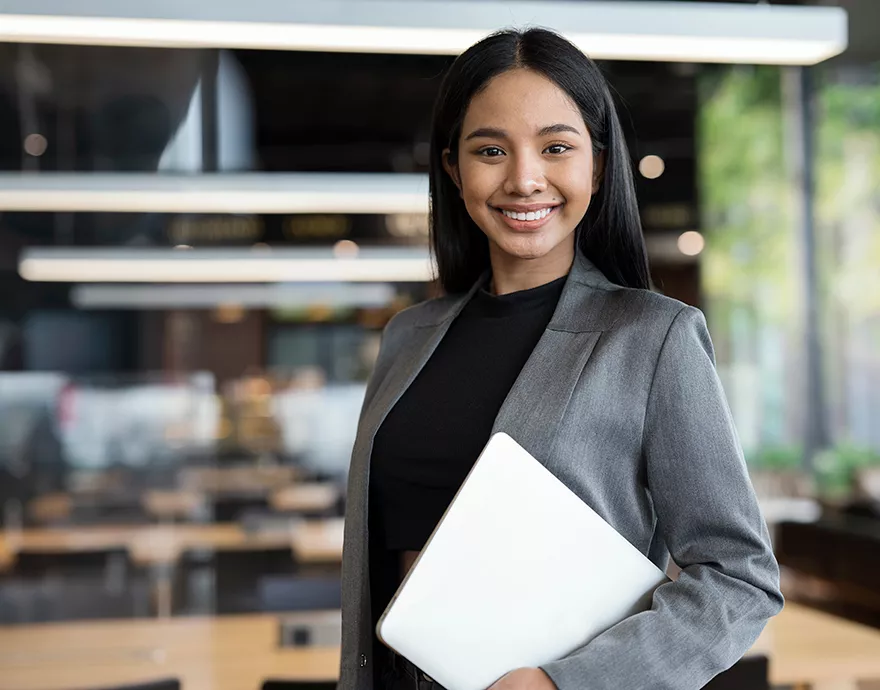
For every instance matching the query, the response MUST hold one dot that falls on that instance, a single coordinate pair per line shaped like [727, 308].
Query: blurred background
[208, 213]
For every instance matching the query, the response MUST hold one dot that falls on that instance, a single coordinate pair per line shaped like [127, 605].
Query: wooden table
[185, 503]
[50, 507]
[156, 545]
[806, 649]
[314, 497]
[810, 648]
[239, 479]
[306, 497]
[227, 653]
[173, 504]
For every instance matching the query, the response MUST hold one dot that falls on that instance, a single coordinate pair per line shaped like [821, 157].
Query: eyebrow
[496, 133]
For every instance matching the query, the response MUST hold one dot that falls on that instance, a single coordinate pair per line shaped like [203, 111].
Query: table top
[225, 653]
[303, 497]
[174, 503]
[318, 540]
[284, 494]
[238, 652]
[237, 479]
[809, 646]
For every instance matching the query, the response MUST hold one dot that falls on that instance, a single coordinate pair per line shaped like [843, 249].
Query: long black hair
[610, 235]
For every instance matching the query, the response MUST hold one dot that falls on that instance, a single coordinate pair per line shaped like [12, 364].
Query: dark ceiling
[116, 109]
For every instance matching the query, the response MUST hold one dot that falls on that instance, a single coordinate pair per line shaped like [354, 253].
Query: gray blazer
[621, 401]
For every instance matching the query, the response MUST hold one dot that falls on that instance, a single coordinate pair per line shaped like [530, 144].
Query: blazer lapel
[536, 404]
[425, 338]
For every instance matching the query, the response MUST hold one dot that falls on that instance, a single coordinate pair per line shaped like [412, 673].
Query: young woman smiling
[549, 332]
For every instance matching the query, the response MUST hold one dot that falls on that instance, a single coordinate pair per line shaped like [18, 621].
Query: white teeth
[531, 215]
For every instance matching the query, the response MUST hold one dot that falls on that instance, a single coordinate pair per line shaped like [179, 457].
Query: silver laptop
[519, 572]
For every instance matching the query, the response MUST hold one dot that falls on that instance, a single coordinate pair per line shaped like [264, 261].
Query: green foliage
[751, 264]
[848, 192]
[836, 467]
[745, 194]
[776, 458]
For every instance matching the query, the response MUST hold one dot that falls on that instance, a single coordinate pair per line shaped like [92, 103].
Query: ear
[598, 171]
[451, 169]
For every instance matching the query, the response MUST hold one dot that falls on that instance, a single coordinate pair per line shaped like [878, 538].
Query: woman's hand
[525, 679]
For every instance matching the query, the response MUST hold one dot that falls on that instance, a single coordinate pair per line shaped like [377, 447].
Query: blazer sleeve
[707, 512]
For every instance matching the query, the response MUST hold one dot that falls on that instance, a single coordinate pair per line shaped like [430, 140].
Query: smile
[531, 215]
[527, 220]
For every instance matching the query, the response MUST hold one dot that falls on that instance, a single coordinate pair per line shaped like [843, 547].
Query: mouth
[521, 218]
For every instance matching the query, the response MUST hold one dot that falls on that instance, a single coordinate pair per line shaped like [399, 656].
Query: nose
[525, 176]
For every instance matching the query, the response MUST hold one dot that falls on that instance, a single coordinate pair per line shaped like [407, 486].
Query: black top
[430, 439]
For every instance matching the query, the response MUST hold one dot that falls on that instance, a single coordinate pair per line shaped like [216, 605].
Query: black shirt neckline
[485, 304]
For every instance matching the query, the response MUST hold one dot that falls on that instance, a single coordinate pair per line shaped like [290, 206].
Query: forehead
[520, 101]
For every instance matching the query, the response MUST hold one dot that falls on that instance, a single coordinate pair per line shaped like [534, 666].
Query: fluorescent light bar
[215, 193]
[332, 295]
[664, 31]
[301, 265]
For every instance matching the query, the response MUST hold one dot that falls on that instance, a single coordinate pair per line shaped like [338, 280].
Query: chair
[112, 515]
[292, 593]
[163, 684]
[111, 565]
[238, 575]
[749, 673]
[298, 685]
[226, 581]
[192, 588]
[48, 601]
[234, 508]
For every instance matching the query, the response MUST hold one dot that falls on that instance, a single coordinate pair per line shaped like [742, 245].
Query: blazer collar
[532, 410]
[579, 310]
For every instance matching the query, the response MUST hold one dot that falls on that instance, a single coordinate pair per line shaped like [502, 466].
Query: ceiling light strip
[355, 193]
[223, 266]
[673, 31]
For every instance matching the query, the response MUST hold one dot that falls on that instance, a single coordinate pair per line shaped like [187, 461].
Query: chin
[527, 247]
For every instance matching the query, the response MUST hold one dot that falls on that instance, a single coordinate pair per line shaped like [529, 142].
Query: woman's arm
[708, 514]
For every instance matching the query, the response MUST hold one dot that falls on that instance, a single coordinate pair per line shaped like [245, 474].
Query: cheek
[576, 185]
[478, 186]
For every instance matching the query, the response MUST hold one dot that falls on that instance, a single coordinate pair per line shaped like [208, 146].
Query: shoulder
[665, 313]
[635, 311]
[645, 306]
[667, 324]
[644, 323]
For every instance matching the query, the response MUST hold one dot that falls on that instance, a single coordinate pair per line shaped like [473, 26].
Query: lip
[525, 208]
[526, 225]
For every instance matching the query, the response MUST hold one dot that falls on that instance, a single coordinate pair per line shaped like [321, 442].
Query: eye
[491, 152]
[557, 149]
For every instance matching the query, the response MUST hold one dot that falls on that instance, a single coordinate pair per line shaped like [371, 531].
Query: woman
[548, 331]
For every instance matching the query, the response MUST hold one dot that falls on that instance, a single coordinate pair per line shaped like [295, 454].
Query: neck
[512, 274]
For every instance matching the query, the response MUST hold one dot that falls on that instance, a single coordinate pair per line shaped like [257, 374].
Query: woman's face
[525, 168]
